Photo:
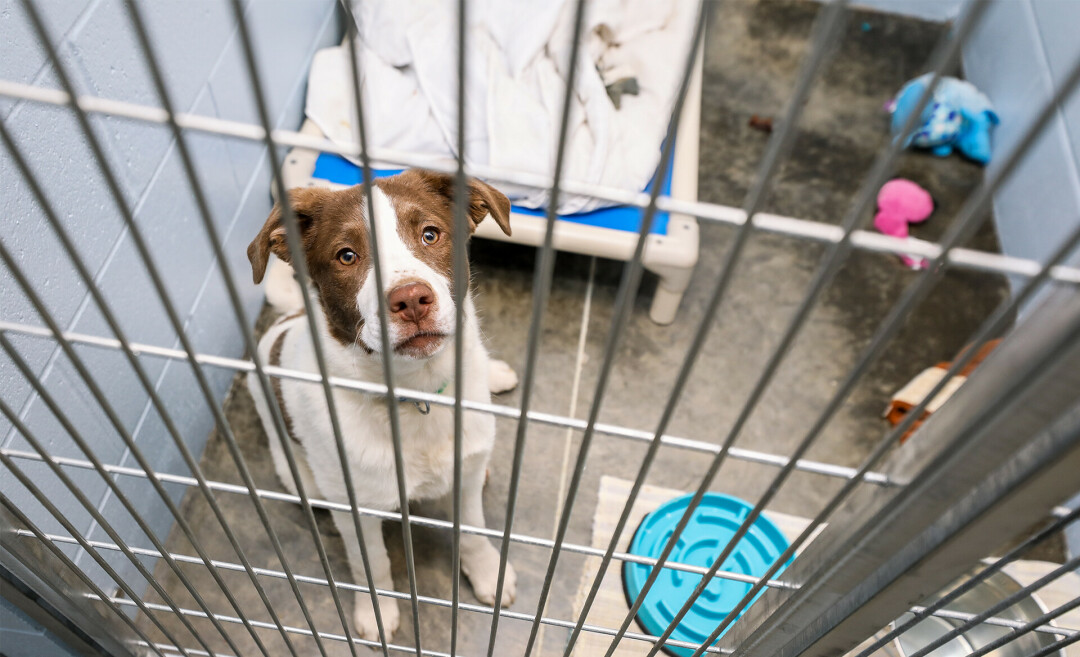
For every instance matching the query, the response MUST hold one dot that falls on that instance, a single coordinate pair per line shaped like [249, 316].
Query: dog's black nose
[410, 302]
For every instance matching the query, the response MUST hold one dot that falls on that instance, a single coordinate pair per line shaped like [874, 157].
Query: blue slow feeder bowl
[712, 525]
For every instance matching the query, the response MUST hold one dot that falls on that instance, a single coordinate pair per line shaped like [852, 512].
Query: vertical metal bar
[33, 579]
[992, 326]
[249, 343]
[387, 360]
[1005, 603]
[944, 57]
[83, 446]
[299, 263]
[1004, 448]
[70, 528]
[890, 439]
[959, 231]
[461, 284]
[351, 35]
[204, 211]
[1057, 647]
[69, 351]
[542, 279]
[624, 302]
[779, 146]
[965, 225]
[75, 570]
[114, 325]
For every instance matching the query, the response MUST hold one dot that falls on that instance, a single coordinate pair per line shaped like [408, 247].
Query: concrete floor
[752, 55]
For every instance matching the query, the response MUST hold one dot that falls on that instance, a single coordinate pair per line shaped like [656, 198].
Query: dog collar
[423, 406]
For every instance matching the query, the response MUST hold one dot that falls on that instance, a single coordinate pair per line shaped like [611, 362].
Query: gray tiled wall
[198, 45]
[1019, 55]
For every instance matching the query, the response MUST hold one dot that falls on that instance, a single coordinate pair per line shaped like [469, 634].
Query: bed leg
[669, 293]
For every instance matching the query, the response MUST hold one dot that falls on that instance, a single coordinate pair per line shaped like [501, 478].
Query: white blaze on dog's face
[414, 221]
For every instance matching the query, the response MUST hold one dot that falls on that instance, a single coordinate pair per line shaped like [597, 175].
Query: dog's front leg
[363, 610]
[479, 558]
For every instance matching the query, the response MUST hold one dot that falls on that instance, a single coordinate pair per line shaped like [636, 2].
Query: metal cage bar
[1051, 529]
[992, 326]
[520, 616]
[498, 410]
[628, 285]
[124, 586]
[166, 302]
[109, 481]
[299, 264]
[54, 552]
[944, 57]
[963, 258]
[1005, 603]
[543, 276]
[1029, 627]
[390, 515]
[1057, 646]
[99, 397]
[981, 493]
[824, 40]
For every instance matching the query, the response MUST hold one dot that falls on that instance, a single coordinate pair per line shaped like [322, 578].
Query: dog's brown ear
[485, 199]
[308, 203]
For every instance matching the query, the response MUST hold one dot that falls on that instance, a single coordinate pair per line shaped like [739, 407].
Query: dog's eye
[430, 235]
[347, 257]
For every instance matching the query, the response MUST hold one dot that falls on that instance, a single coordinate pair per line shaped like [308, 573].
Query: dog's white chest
[427, 445]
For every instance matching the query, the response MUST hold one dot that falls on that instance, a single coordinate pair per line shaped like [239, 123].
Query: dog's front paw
[483, 573]
[364, 617]
[501, 377]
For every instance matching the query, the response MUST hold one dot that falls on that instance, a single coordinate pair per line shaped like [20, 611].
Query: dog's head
[414, 218]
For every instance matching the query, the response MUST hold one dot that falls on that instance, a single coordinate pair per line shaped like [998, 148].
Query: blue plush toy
[958, 116]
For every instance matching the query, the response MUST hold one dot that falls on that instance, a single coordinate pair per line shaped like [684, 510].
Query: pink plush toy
[902, 202]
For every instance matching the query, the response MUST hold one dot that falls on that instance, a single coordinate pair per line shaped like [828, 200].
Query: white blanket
[518, 51]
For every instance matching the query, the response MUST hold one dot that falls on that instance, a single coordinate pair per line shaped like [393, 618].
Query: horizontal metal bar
[498, 410]
[997, 620]
[1057, 647]
[1015, 597]
[291, 630]
[1003, 452]
[375, 644]
[992, 566]
[392, 515]
[712, 212]
[440, 602]
[62, 583]
[1057, 612]
[434, 601]
[166, 648]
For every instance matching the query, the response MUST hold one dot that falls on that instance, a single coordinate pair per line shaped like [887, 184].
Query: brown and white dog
[414, 219]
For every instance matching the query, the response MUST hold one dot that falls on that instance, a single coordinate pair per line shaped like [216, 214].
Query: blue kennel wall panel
[199, 49]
